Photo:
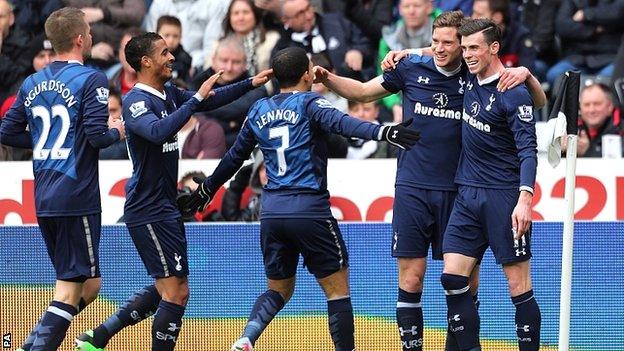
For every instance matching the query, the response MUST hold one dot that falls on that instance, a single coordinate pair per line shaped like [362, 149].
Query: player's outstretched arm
[393, 57]
[231, 162]
[95, 114]
[231, 92]
[350, 88]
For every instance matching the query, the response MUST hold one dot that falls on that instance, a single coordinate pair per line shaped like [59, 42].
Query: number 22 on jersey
[47, 118]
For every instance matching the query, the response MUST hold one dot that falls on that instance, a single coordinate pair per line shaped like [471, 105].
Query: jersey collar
[489, 79]
[151, 90]
[448, 73]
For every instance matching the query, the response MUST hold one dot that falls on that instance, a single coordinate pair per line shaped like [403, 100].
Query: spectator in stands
[412, 30]
[15, 63]
[539, 17]
[170, 28]
[243, 20]
[229, 57]
[368, 15]
[201, 24]
[449, 5]
[590, 32]
[41, 52]
[252, 176]
[336, 100]
[118, 150]
[332, 34]
[598, 119]
[360, 149]
[121, 76]
[517, 47]
[109, 19]
[205, 140]
[30, 15]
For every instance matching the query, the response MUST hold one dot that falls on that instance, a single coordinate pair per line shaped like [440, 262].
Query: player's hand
[354, 59]
[521, 215]
[262, 78]
[583, 143]
[102, 51]
[197, 201]
[120, 126]
[320, 74]
[512, 77]
[205, 90]
[93, 14]
[400, 135]
[392, 58]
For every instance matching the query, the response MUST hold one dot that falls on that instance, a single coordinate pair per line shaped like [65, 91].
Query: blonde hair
[63, 26]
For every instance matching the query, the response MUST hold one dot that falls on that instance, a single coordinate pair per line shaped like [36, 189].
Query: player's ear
[146, 61]
[494, 48]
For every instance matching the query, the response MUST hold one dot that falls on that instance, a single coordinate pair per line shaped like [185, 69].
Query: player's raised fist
[400, 135]
[262, 77]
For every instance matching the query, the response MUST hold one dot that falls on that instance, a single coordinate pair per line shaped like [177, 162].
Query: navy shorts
[319, 241]
[481, 218]
[73, 244]
[419, 220]
[162, 247]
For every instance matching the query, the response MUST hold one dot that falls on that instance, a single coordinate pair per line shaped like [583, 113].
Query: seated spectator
[205, 140]
[121, 76]
[360, 149]
[170, 28]
[109, 19]
[413, 30]
[590, 33]
[450, 5]
[243, 20]
[41, 52]
[332, 34]
[30, 15]
[336, 100]
[368, 15]
[201, 23]
[252, 176]
[229, 57]
[118, 150]
[598, 120]
[15, 63]
[517, 47]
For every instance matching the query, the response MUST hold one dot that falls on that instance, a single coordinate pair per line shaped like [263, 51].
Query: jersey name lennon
[286, 115]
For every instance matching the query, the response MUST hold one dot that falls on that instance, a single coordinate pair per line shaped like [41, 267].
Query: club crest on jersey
[138, 108]
[489, 106]
[461, 85]
[102, 95]
[323, 103]
[525, 113]
[475, 108]
[440, 99]
[422, 79]
[469, 85]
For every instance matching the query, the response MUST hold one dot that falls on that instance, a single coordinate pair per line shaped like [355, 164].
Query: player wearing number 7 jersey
[61, 112]
[290, 129]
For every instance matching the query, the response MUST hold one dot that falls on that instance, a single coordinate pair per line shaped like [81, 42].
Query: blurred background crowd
[349, 37]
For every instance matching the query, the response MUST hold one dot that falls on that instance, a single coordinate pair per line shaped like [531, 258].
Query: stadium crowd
[347, 37]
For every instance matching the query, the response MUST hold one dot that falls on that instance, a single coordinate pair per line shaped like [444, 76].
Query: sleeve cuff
[198, 97]
[381, 132]
[526, 188]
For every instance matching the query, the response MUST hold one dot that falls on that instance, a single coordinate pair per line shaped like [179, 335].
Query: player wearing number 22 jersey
[61, 113]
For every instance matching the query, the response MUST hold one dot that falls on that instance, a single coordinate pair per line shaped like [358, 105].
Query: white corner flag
[563, 122]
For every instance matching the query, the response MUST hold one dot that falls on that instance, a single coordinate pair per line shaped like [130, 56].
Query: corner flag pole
[569, 107]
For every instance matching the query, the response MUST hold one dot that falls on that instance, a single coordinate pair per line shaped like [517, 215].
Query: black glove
[197, 201]
[400, 135]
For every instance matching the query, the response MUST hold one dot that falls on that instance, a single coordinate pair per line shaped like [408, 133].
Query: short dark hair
[289, 65]
[170, 20]
[491, 32]
[114, 92]
[450, 19]
[139, 46]
[501, 6]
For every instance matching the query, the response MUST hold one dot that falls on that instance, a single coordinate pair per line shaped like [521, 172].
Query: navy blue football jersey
[65, 106]
[498, 136]
[153, 119]
[291, 130]
[433, 98]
